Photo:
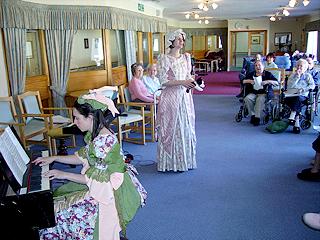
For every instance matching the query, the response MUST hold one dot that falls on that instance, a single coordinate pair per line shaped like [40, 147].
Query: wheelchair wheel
[305, 124]
[238, 117]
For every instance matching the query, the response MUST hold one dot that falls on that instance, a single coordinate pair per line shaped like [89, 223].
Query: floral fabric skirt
[74, 223]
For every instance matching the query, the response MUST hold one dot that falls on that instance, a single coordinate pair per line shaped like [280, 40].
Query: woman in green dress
[100, 201]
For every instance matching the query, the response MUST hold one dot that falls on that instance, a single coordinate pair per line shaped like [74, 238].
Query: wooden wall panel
[86, 80]
[38, 83]
[119, 75]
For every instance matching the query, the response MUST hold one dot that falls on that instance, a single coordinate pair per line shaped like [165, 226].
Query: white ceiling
[233, 9]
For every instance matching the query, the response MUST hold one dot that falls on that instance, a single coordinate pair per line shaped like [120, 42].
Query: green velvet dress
[102, 157]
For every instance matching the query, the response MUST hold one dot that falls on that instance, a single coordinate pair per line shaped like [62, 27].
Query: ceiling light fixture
[214, 5]
[305, 2]
[294, 3]
[272, 18]
[205, 5]
[285, 12]
[206, 21]
[192, 15]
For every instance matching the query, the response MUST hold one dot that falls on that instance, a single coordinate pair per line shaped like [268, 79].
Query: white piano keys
[45, 182]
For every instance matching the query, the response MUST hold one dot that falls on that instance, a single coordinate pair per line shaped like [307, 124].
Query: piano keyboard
[36, 181]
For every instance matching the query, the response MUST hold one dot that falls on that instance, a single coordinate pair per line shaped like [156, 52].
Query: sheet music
[257, 83]
[13, 153]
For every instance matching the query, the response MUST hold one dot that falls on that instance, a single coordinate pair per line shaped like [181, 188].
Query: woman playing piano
[99, 202]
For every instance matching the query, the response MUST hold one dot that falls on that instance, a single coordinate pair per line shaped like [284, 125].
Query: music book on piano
[15, 162]
[30, 208]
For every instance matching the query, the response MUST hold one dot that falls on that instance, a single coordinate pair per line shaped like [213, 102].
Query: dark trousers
[295, 103]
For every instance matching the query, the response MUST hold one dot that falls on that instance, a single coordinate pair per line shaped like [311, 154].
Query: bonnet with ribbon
[98, 100]
[171, 36]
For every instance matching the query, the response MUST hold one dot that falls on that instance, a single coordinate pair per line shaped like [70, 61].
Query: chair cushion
[137, 111]
[31, 105]
[34, 126]
[129, 118]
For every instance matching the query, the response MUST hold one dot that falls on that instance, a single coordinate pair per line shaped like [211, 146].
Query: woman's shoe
[296, 130]
[256, 121]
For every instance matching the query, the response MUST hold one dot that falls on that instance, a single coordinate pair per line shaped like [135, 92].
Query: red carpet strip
[221, 83]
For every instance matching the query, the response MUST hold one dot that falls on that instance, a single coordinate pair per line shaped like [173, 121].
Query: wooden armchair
[39, 125]
[149, 113]
[129, 121]
[8, 117]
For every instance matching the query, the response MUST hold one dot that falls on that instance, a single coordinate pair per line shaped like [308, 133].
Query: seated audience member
[314, 72]
[138, 91]
[270, 61]
[312, 174]
[258, 57]
[257, 83]
[151, 81]
[312, 220]
[247, 68]
[299, 82]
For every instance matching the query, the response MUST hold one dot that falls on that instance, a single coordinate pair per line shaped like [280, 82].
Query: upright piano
[26, 201]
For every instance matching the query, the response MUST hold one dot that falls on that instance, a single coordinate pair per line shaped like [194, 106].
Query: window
[145, 47]
[87, 51]
[312, 44]
[33, 56]
[156, 45]
[117, 48]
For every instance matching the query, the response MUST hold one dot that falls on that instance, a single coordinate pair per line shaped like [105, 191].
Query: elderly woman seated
[256, 85]
[151, 81]
[298, 86]
[137, 89]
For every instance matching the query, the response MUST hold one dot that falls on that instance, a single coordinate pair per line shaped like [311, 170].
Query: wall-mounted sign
[140, 7]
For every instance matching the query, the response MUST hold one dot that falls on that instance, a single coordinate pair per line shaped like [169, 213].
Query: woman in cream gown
[176, 116]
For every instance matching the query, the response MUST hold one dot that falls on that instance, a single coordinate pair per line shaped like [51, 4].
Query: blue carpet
[245, 187]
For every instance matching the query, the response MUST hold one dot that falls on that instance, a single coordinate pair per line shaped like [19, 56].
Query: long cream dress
[175, 117]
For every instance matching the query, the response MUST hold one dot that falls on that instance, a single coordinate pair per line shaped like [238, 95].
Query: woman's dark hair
[172, 41]
[271, 55]
[134, 67]
[100, 118]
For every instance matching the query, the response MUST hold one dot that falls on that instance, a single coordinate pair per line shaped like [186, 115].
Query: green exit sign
[140, 7]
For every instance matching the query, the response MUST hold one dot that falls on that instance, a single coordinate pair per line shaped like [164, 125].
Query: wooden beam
[140, 47]
[107, 56]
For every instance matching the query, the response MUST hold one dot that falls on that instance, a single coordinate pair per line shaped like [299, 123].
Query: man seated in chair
[256, 85]
[137, 89]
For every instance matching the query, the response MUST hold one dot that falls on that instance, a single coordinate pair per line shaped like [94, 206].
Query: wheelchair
[269, 110]
[308, 109]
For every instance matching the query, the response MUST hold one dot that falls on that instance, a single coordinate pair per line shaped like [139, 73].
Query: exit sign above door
[140, 7]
